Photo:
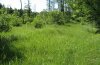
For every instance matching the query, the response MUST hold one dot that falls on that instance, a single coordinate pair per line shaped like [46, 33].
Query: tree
[29, 9]
[21, 11]
[16, 12]
[52, 5]
[10, 11]
[94, 7]
[62, 5]
[49, 5]
[1, 5]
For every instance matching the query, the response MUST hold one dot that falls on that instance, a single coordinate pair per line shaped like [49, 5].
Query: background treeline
[82, 11]
[14, 17]
[85, 9]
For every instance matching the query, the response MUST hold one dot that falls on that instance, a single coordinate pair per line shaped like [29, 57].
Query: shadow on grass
[97, 32]
[7, 50]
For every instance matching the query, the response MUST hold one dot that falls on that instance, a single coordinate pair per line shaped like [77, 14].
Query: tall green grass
[71, 44]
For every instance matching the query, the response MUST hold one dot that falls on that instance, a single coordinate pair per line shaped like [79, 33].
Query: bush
[7, 50]
[16, 21]
[28, 19]
[53, 17]
[4, 24]
[38, 25]
[58, 17]
[16, 24]
[4, 27]
[39, 21]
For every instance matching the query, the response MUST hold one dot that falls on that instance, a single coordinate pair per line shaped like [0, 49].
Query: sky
[36, 5]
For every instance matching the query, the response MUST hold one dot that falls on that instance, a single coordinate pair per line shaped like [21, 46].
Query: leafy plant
[38, 25]
[58, 17]
[54, 17]
[4, 24]
[7, 50]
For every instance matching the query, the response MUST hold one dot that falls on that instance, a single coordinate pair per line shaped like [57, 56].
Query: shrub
[53, 17]
[4, 24]
[28, 19]
[39, 21]
[58, 17]
[7, 50]
[16, 21]
[38, 25]
[16, 24]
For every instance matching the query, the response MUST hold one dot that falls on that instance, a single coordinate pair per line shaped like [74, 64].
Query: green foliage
[10, 11]
[7, 51]
[16, 21]
[86, 8]
[70, 44]
[38, 25]
[4, 24]
[58, 17]
[2, 10]
[1, 6]
[40, 20]
[28, 19]
[54, 17]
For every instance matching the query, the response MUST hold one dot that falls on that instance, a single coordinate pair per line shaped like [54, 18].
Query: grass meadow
[70, 44]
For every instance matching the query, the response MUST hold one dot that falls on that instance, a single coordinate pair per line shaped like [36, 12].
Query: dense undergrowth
[8, 51]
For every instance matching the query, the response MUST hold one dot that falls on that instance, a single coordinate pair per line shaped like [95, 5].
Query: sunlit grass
[71, 44]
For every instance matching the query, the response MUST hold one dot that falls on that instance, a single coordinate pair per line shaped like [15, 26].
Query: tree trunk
[62, 5]
[49, 5]
[29, 9]
[21, 11]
